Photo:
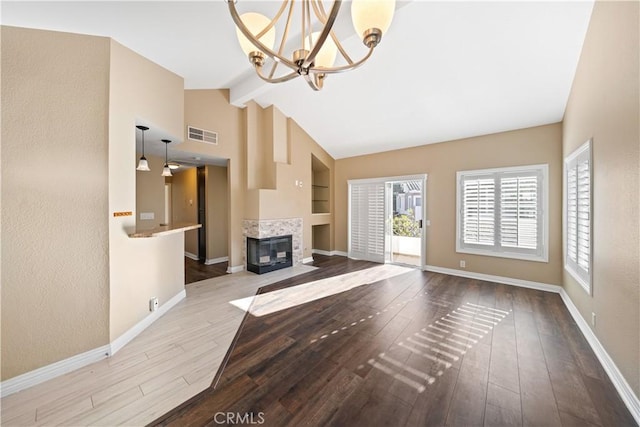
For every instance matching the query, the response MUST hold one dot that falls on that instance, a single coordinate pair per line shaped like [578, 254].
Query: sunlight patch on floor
[283, 299]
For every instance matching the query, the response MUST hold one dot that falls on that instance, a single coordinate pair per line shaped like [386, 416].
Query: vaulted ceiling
[445, 70]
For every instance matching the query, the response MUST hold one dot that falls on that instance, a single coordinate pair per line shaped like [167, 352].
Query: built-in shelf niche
[320, 186]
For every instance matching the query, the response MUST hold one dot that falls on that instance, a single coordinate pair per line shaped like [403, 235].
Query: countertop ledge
[163, 230]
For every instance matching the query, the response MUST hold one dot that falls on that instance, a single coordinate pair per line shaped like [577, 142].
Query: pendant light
[143, 165]
[166, 171]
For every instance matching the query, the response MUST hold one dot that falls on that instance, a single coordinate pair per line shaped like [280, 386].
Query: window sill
[583, 283]
[510, 255]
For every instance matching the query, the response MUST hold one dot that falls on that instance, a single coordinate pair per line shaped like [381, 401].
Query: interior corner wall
[184, 190]
[55, 275]
[150, 193]
[143, 268]
[537, 145]
[217, 209]
[604, 105]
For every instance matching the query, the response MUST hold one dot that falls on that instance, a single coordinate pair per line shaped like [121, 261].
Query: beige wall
[603, 105]
[250, 196]
[217, 212]
[210, 109]
[139, 269]
[440, 162]
[55, 275]
[184, 199]
[150, 193]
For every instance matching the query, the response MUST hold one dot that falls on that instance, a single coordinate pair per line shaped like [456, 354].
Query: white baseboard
[192, 256]
[40, 375]
[622, 386]
[328, 253]
[235, 269]
[216, 260]
[307, 260]
[497, 279]
[123, 339]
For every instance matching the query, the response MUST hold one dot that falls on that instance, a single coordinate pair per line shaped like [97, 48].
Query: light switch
[147, 215]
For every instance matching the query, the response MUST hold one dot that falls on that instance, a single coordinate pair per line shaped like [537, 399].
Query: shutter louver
[519, 212]
[578, 215]
[367, 222]
[583, 214]
[478, 211]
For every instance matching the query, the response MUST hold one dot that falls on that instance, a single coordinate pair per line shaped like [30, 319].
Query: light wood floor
[172, 360]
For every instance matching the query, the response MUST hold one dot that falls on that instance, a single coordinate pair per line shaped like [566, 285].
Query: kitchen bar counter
[163, 230]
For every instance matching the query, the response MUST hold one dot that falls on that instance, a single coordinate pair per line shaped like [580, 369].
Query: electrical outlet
[153, 304]
[463, 263]
[593, 319]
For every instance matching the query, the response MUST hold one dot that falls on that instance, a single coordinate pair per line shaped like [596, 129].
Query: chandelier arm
[261, 47]
[322, 17]
[282, 79]
[311, 80]
[323, 35]
[336, 70]
[273, 21]
[285, 35]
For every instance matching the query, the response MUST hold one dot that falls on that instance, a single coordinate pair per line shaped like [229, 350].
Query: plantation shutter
[367, 221]
[501, 212]
[478, 211]
[519, 212]
[578, 214]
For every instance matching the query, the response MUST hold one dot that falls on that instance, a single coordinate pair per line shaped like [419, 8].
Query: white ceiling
[445, 70]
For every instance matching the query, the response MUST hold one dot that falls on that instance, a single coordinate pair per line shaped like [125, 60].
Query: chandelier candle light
[314, 52]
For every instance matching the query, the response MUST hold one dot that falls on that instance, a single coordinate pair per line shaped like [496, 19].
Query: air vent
[201, 135]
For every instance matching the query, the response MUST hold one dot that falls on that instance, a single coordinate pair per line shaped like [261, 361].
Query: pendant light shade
[166, 170]
[143, 165]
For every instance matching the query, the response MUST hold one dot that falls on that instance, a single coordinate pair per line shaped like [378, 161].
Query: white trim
[622, 386]
[235, 269]
[496, 250]
[620, 383]
[191, 256]
[321, 252]
[307, 260]
[339, 253]
[40, 375]
[497, 279]
[125, 338]
[216, 260]
[388, 178]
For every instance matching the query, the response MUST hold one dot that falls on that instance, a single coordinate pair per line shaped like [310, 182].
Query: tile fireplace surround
[260, 229]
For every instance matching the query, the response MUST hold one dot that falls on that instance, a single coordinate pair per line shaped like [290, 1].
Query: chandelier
[312, 52]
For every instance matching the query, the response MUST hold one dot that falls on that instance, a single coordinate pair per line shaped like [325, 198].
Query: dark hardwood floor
[415, 349]
[194, 271]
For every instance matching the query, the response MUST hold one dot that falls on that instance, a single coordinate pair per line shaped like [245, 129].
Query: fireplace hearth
[269, 254]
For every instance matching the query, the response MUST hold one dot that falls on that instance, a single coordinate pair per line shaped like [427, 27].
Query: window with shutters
[503, 212]
[577, 215]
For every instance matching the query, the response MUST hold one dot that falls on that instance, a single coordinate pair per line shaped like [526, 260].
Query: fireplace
[269, 254]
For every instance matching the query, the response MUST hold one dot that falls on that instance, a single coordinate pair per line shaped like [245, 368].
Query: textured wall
[604, 104]
[55, 277]
[139, 91]
[150, 193]
[440, 162]
[217, 212]
[184, 186]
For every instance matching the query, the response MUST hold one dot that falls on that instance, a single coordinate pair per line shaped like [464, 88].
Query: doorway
[404, 241]
[386, 220]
